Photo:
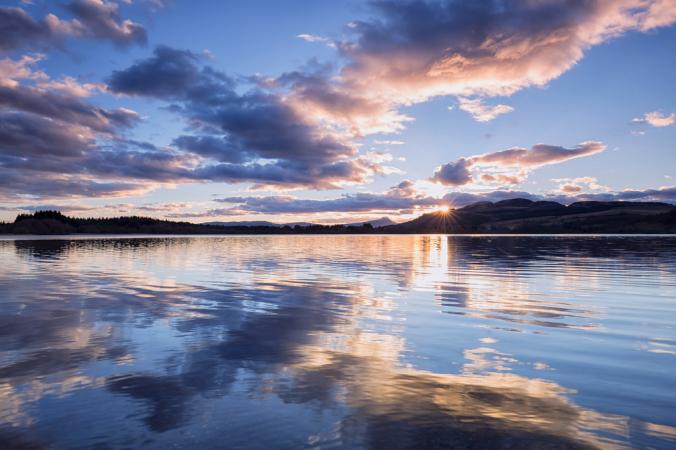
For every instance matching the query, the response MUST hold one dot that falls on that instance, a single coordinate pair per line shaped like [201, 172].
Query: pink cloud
[510, 166]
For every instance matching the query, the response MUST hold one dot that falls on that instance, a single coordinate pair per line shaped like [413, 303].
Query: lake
[362, 342]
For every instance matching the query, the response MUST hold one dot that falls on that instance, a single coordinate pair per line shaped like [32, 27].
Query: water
[338, 342]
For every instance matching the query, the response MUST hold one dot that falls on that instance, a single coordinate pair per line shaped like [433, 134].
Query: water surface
[338, 342]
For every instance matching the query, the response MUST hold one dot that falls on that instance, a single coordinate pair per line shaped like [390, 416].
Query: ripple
[338, 342]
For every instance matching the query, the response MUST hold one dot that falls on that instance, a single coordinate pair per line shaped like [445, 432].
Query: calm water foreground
[338, 342]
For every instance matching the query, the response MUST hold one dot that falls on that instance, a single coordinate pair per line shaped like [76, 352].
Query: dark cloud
[263, 125]
[169, 73]
[91, 19]
[15, 185]
[43, 157]
[216, 147]
[65, 108]
[453, 174]
[123, 159]
[255, 136]
[101, 20]
[255, 124]
[400, 197]
[288, 174]
[25, 135]
[18, 29]
[53, 143]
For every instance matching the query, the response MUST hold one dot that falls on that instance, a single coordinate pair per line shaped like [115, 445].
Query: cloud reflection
[310, 334]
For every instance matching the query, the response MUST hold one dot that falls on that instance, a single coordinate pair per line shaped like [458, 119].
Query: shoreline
[64, 237]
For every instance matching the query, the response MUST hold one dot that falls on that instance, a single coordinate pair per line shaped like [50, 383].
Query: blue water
[338, 342]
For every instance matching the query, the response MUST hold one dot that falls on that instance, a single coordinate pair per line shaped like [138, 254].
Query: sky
[332, 111]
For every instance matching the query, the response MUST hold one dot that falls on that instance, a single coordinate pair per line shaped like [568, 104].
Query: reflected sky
[338, 342]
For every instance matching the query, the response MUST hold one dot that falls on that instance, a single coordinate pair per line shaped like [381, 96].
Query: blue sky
[331, 111]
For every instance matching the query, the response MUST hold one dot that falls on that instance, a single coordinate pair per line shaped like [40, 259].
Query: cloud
[510, 166]
[318, 92]
[26, 135]
[454, 174]
[410, 51]
[162, 207]
[307, 37]
[53, 143]
[256, 136]
[18, 29]
[55, 207]
[656, 119]
[403, 196]
[414, 50]
[13, 70]
[482, 112]
[290, 174]
[72, 87]
[65, 108]
[123, 161]
[215, 147]
[539, 155]
[579, 185]
[214, 212]
[48, 131]
[100, 19]
[405, 199]
[388, 142]
[170, 73]
[91, 19]
[15, 185]
[301, 129]
[664, 194]
[570, 188]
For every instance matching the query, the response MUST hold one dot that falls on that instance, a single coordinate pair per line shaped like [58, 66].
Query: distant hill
[256, 223]
[527, 216]
[383, 221]
[507, 216]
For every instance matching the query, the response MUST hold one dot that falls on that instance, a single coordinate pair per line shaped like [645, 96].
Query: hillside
[526, 216]
[383, 221]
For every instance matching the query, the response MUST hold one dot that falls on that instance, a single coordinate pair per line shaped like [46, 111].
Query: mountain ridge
[383, 221]
[522, 215]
